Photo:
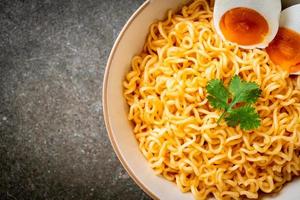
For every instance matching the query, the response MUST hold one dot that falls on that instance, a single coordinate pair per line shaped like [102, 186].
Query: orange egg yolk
[244, 26]
[284, 50]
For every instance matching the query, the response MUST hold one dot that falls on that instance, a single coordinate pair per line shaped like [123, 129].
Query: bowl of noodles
[164, 128]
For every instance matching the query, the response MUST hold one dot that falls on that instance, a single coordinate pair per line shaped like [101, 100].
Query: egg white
[290, 18]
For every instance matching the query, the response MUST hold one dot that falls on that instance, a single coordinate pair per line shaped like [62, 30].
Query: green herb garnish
[236, 101]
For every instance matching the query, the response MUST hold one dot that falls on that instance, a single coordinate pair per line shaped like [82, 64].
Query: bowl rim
[105, 100]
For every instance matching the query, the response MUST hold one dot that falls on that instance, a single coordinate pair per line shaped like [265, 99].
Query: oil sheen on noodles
[176, 127]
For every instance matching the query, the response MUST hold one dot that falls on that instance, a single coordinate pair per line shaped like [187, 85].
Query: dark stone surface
[53, 142]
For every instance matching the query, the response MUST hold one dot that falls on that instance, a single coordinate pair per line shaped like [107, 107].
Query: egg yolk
[244, 26]
[284, 50]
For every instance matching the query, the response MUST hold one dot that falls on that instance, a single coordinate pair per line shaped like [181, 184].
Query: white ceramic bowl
[128, 44]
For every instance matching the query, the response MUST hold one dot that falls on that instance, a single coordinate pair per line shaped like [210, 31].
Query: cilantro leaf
[246, 116]
[239, 91]
[218, 94]
[243, 91]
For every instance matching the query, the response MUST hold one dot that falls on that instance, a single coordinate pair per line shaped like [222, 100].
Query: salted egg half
[248, 23]
[284, 50]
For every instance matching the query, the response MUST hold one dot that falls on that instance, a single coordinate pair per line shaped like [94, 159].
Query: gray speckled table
[53, 142]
